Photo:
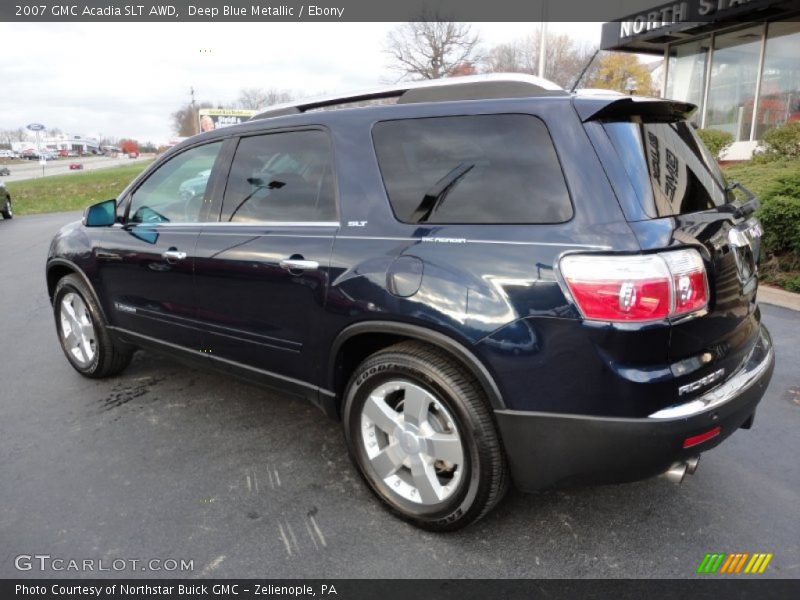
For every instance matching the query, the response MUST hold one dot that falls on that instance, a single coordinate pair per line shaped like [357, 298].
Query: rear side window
[671, 170]
[472, 169]
[284, 176]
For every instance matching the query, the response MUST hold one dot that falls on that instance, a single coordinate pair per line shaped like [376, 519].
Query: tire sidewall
[400, 367]
[65, 286]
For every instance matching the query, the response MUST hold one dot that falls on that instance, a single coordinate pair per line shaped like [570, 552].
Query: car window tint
[285, 177]
[175, 192]
[472, 169]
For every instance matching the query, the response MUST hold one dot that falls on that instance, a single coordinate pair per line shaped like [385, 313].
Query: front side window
[175, 192]
[669, 167]
[281, 177]
[472, 169]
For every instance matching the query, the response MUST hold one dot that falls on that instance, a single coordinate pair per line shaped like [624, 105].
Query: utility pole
[195, 120]
[542, 39]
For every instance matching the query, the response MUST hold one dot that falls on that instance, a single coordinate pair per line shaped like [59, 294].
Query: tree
[185, 120]
[624, 73]
[129, 146]
[431, 48]
[564, 59]
[258, 98]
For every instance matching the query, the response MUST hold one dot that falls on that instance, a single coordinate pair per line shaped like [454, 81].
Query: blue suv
[486, 279]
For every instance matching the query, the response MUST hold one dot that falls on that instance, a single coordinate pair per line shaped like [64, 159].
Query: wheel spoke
[425, 480]
[68, 311]
[72, 338]
[384, 416]
[86, 348]
[388, 461]
[415, 405]
[445, 446]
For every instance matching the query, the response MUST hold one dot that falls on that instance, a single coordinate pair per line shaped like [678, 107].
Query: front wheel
[83, 334]
[420, 430]
[7, 211]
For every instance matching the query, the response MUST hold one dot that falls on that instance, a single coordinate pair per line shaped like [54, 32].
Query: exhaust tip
[691, 465]
[676, 472]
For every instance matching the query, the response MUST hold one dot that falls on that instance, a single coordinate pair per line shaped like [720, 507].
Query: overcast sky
[124, 79]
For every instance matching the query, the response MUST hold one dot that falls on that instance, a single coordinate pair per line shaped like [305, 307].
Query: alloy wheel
[412, 442]
[77, 329]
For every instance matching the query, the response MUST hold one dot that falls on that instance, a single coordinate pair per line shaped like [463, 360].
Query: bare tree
[258, 98]
[184, 120]
[431, 48]
[564, 59]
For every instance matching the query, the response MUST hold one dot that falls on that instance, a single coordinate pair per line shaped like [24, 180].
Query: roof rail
[471, 87]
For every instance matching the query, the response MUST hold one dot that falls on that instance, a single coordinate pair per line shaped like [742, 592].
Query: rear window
[671, 170]
[472, 169]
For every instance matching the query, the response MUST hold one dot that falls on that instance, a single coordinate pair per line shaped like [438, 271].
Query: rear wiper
[438, 192]
[747, 207]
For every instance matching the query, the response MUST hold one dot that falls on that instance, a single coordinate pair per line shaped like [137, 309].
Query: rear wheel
[83, 334]
[7, 211]
[421, 433]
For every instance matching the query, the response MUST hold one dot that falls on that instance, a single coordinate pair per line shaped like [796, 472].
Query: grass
[74, 191]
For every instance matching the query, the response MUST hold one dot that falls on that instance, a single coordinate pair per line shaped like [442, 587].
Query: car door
[146, 263]
[261, 272]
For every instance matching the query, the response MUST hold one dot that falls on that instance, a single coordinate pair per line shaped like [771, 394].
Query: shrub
[715, 140]
[783, 141]
[788, 185]
[780, 216]
[792, 284]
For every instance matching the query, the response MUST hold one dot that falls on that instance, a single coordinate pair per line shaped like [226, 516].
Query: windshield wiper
[747, 207]
[437, 193]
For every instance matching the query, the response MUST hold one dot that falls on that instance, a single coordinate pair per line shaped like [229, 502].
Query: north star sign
[675, 13]
[678, 15]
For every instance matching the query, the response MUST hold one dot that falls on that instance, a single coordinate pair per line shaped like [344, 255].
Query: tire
[443, 466]
[7, 212]
[83, 334]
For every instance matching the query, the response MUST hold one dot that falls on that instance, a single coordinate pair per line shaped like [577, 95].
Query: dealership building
[63, 141]
[737, 60]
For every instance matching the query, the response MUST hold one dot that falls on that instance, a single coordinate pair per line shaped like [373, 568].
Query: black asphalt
[166, 462]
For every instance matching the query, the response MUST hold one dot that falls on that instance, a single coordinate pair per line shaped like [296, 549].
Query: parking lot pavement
[166, 462]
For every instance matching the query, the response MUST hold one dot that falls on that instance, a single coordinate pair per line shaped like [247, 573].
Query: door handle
[173, 255]
[299, 264]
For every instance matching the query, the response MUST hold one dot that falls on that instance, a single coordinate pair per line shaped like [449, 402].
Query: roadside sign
[36, 127]
[42, 160]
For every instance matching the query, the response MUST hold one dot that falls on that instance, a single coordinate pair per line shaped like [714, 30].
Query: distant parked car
[75, 166]
[5, 202]
[5, 171]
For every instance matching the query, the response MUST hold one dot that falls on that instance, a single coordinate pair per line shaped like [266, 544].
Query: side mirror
[102, 214]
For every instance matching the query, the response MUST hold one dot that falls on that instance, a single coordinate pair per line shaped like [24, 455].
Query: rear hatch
[674, 195]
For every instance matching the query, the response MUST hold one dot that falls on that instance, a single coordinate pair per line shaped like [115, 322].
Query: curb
[778, 297]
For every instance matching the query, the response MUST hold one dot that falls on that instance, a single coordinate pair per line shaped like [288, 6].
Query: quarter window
[285, 177]
[472, 169]
[176, 191]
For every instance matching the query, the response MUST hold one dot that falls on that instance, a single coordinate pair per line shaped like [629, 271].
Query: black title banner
[368, 10]
[434, 589]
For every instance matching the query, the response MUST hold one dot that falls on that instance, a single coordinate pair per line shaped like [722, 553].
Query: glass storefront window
[734, 72]
[686, 74]
[779, 101]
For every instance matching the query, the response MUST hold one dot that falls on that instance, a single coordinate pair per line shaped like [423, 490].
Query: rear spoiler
[602, 106]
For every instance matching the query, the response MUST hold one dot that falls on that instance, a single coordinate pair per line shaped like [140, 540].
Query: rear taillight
[637, 288]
